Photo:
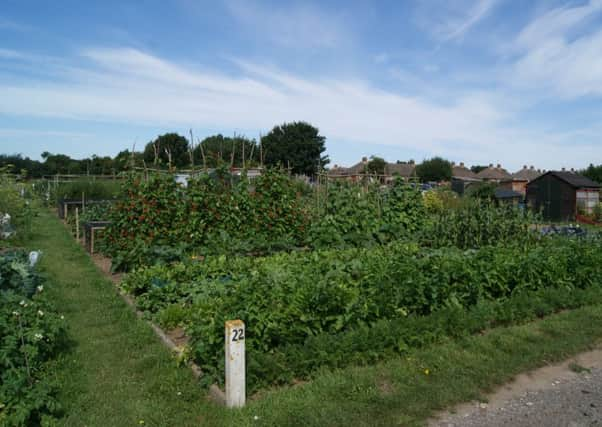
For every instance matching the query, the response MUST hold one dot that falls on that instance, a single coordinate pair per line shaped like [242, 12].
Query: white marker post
[235, 364]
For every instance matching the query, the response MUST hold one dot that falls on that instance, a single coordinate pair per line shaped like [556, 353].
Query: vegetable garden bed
[304, 311]
[381, 271]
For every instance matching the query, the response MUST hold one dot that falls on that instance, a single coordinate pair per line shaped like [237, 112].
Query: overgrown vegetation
[16, 211]
[216, 213]
[290, 300]
[31, 334]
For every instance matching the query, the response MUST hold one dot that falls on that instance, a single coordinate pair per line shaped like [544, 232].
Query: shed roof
[504, 193]
[573, 179]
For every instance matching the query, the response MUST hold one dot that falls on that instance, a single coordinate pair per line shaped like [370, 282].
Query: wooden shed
[560, 196]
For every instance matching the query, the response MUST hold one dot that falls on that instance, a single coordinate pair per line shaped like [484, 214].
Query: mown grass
[117, 373]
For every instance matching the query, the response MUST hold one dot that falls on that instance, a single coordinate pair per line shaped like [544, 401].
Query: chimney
[499, 166]
[453, 163]
[573, 170]
[461, 164]
[525, 167]
[490, 165]
[411, 162]
[533, 168]
[364, 159]
[563, 169]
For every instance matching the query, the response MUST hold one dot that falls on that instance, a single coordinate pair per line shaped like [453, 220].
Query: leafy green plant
[213, 214]
[289, 297]
[356, 216]
[476, 223]
[31, 334]
[13, 201]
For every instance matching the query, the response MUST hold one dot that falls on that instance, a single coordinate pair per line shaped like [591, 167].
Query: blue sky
[479, 81]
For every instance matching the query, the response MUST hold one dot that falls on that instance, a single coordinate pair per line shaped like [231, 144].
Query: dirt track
[551, 396]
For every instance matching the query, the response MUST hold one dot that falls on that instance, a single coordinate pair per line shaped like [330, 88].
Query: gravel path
[552, 396]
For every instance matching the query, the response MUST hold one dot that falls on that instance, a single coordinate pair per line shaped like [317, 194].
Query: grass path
[117, 373]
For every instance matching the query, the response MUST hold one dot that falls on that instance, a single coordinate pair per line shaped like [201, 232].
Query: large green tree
[169, 146]
[298, 145]
[594, 173]
[376, 165]
[477, 168]
[436, 169]
[219, 149]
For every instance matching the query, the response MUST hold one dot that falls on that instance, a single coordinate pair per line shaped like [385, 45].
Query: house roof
[504, 193]
[460, 171]
[338, 170]
[357, 168]
[573, 179]
[526, 174]
[405, 170]
[494, 173]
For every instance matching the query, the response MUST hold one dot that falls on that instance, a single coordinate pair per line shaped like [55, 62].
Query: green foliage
[287, 299]
[213, 214]
[598, 212]
[434, 170]
[483, 191]
[433, 202]
[88, 188]
[593, 172]
[477, 223]
[376, 165]
[13, 202]
[168, 149]
[478, 168]
[31, 334]
[100, 211]
[355, 216]
[298, 145]
[218, 150]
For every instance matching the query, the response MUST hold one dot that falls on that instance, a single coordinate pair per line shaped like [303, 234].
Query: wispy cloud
[449, 21]
[556, 23]
[291, 26]
[128, 85]
[559, 55]
[10, 54]
[457, 30]
[6, 24]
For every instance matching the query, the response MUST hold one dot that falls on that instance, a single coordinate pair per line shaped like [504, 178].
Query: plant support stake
[235, 364]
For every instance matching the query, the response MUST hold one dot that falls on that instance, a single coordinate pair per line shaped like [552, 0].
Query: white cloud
[556, 23]
[559, 55]
[479, 11]
[10, 54]
[452, 20]
[293, 26]
[6, 24]
[130, 86]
